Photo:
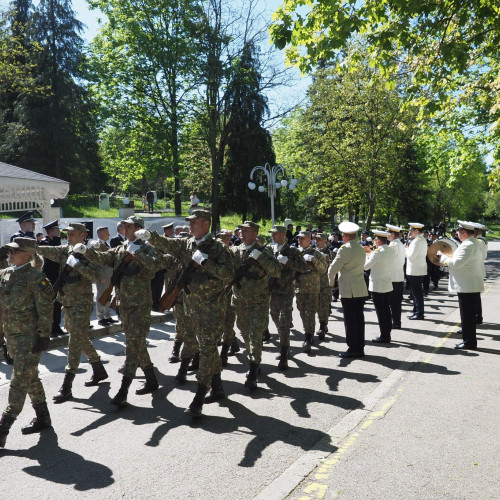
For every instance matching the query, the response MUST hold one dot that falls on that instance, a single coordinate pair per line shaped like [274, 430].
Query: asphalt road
[416, 419]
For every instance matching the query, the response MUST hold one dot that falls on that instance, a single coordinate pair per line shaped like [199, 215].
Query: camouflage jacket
[208, 280]
[25, 302]
[324, 282]
[310, 282]
[254, 288]
[79, 282]
[134, 287]
[284, 284]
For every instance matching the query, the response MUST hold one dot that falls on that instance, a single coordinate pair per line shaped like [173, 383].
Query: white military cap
[348, 228]
[470, 226]
[478, 225]
[416, 225]
[379, 232]
[397, 229]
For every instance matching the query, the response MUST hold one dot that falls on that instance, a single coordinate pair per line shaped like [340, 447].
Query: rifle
[243, 272]
[169, 298]
[115, 281]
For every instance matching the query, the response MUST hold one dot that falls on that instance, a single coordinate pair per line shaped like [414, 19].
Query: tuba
[447, 247]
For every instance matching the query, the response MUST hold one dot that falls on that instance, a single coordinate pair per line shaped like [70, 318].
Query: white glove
[132, 248]
[255, 254]
[95, 244]
[143, 234]
[439, 253]
[72, 261]
[308, 257]
[80, 248]
[282, 259]
[199, 257]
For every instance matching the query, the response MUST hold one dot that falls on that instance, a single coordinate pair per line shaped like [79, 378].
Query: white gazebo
[22, 189]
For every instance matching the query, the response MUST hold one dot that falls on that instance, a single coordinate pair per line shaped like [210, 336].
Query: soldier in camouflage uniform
[76, 275]
[26, 305]
[211, 269]
[307, 287]
[134, 301]
[282, 289]
[325, 291]
[251, 293]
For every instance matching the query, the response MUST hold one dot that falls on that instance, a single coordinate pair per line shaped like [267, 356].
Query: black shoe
[479, 321]
[65, 391]
[351, 354]
[42, 420]
[98, 373]
[235, 347]
[174, 356]
[216, 391]
[382, 340]
[396, 327]
[57, 331]
[121, 396]
[416, 316]
[283, 364]
[103, 322]
[111, 321]
[196, 405]
[307, 344]
[464, 345]
[252, 375]
[183, 369]
[150, 384]
[266, 336]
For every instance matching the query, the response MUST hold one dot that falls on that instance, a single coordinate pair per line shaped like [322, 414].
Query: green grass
[493, 232]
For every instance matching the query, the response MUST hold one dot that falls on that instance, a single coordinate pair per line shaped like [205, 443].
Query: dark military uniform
[325, 294]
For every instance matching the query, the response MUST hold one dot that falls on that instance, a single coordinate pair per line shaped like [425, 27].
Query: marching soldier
[26, 305]
[349, 263]
[134, 263]
[210, 269]
[398, 274]
[74, 287]
[282, 289]
[251, 293]
[26, 226]
[307, 287]
[325, 291]
[51, 270]
[416, 268]
[380, 261]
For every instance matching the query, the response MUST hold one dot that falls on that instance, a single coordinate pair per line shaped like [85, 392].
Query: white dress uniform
[416, 269]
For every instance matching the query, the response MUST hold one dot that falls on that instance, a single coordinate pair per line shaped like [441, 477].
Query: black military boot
[197, 404]
[98, 373]
[121, 396]
[306, 346]
[251, 380]
[266, 336]
[323, 330]
[183, 370]
[150, 384]
[5, 424]
[195, 364]
[283, 364]
[235, 347]
[41, 421]
[216, 391]
[174, 355]
[65, 391]
[224, 354]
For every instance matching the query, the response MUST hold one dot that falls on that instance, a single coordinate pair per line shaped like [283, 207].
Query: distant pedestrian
[150, 197]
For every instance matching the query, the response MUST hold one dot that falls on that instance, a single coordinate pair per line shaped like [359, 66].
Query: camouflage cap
[278, 229]
[76, 226]
[200, 214]
[322, 236]
[250, 224]
[133, 220]
[304, 234]
[24, 244]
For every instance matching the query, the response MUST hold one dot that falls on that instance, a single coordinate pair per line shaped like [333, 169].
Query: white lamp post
[273, 183]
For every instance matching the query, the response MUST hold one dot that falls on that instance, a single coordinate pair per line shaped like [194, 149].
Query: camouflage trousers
[325, 298]
[24, 380]
[307, 304]
[252, 320]
[136, 323]
[228, 332]
[281, 307]
[206, 318]
[76, 321]
[183, 324]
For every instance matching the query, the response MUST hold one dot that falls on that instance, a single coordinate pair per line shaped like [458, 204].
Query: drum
[446, 245]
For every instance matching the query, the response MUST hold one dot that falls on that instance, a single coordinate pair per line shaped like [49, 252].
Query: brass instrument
[446, 246]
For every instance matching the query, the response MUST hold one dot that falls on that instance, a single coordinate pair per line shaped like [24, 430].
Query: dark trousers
[56, 316]
[467, 302]
[354, 322]
[417, 292]
[395, 299]
[383, 310]
[157, 288]
[479, 310]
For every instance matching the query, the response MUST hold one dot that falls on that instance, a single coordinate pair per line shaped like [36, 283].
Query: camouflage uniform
[307, 288]
[251, 297]
[282, 291]
[133, 298]
[325, 291]
[205, 304]
[25, 298]
[77, 301]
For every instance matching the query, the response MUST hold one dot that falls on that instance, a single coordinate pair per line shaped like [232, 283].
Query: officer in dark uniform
[119, 238]
[26, 226]
[51, 270]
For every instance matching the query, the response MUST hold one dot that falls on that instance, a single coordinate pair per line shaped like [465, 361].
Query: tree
[248, 143]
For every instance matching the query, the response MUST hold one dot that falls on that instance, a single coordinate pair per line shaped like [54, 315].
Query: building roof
[7, 170]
